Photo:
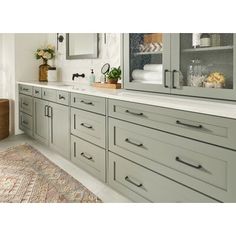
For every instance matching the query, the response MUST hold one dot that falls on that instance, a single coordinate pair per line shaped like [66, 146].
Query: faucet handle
[77, 75]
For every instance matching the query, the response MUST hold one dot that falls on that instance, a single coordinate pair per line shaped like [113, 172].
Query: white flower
[47, 55]
[50, 47]
[40, 53]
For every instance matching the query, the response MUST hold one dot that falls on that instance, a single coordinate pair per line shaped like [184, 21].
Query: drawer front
[26, 104]
[26, 89]
[37, 92]
[89, 103]
[88, 126]
[141, 184]
[26, 123]
[63, 97]
[192, 163]
[88, 156]
[49, 94]
[206, 128]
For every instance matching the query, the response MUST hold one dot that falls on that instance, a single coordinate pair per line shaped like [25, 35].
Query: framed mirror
[81, 46]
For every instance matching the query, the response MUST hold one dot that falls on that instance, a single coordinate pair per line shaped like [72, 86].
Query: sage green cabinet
[52, 125]
[41, 129]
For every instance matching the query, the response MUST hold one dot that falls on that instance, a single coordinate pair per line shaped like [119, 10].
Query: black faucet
[77, 75]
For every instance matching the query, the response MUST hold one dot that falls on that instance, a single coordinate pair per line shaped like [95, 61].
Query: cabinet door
[41, 120]
[204, 70]
[59, 128]
[147, 62]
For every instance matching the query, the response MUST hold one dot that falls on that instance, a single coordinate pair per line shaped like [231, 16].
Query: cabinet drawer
[88, 156]
[206, 128]
[143, 185]
[88, 126]
[26, 104]
[89, 103]
[26, 123]
[63, 97]
[37, 92]
[49, 94]
[26, 89]
[198, 165]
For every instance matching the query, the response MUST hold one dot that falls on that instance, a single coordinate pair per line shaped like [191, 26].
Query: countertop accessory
[45, 53]
[91, 77]
[107, 85]
[113, 75]
[52, 74]
[104, 70]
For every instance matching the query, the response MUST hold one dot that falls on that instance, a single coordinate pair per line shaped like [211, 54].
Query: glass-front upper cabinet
[203, 64]
[147, 62]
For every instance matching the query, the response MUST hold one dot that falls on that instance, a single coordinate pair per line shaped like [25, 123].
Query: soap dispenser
[91, 77]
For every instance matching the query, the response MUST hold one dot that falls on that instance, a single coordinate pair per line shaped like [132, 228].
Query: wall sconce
[60, 39]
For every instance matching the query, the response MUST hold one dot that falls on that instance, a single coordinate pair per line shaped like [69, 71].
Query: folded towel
[147, 81]
[153, 67]
[144, 75]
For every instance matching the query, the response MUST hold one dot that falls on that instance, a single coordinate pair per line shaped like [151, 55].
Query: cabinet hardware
[86, 126]
[74, 149]
[132, 182]
[134, 113]
[173, 79]
[61, 97]
[25, 122]
[36, 91]
[44, 93]
[188, 164]
[85, 156]
[189, 125]
[87, 103]
[165, 85]
[46, 110]
[50, 112]
[51, 116]
[25, 104]
[25, 89]
[136, 144]
[74, 121]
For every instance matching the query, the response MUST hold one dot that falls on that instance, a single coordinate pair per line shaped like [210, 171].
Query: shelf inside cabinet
[147, 53]
[207, 49]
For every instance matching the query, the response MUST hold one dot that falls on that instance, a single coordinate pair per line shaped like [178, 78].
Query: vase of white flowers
[46, 54]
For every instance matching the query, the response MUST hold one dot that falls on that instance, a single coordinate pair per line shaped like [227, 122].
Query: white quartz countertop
[198, 105]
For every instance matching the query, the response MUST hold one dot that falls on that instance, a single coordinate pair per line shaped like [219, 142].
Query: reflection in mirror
[81, 46]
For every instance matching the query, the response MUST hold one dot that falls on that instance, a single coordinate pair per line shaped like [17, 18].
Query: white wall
[109, 52]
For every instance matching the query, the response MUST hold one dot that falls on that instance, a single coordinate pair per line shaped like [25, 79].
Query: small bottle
[205, 40]
[196, 40]
[91, 77]
[52, 74]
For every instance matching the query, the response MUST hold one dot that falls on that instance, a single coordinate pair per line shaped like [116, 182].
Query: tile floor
[102, 190]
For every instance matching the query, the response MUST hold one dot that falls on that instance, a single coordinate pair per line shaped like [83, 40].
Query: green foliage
[114, 73]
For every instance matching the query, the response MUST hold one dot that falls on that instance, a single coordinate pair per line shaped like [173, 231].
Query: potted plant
[46, 53]
[113, 75]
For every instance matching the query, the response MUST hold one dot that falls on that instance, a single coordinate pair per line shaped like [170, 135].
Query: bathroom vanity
[151, 148]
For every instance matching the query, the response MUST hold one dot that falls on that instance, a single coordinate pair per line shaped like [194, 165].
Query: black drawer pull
[188, 125]
[87, 103]
[25, 122]
[25, 89]
[86, 126]
[25, 104]
[136, 144]
[130, 181]
[134, 113]
[36, 91]
[61, 97]
[85, 156]
[188, 164]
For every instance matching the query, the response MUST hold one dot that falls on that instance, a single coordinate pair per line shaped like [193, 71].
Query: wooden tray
[107, 85]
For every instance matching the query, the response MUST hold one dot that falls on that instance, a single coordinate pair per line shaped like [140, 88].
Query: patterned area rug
[28, 176]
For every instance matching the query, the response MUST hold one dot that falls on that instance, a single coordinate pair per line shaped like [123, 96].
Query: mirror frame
[83, 56]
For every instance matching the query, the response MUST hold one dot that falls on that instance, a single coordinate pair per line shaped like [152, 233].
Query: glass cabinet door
[147, 62]
[202, 65]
